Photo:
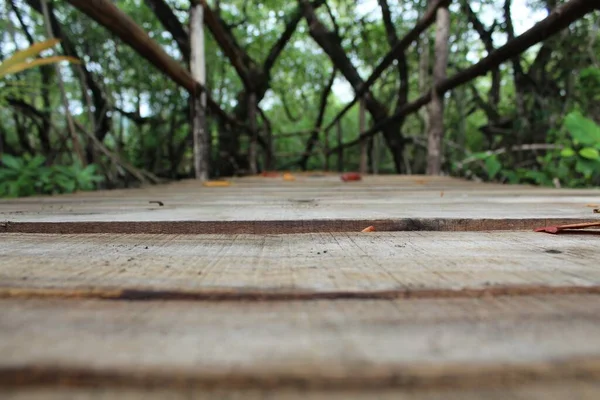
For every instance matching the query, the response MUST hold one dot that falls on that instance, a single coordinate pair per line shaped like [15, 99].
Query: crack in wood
[291, 295]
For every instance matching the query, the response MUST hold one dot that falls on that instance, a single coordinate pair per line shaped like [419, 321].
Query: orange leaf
[216, 183]
[560, 228]
[369, 229]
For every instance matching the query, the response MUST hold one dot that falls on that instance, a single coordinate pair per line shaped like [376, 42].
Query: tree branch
[171, 23]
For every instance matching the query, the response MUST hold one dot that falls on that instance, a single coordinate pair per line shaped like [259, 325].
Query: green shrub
[27, 176]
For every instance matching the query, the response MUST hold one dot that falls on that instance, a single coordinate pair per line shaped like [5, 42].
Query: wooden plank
[358, 265]
[311, 203]
[416, 344]
[545, 391]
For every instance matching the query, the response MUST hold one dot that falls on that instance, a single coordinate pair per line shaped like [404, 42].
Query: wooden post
[362, 119]
[436, 107]
[340, 160]
[198, 72]
[252, 151]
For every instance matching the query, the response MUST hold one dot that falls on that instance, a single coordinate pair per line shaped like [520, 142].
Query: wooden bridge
[268, 288]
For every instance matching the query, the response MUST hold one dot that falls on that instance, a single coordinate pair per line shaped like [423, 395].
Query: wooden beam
[116, 21]
[108, 15]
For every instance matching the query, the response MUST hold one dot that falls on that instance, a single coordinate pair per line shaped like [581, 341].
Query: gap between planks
[265, 227]
[262, 295]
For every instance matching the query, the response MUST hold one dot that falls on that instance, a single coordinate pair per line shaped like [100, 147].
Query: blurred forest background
[533, 120]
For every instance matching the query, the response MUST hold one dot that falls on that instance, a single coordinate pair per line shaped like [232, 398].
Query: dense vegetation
[534, 120]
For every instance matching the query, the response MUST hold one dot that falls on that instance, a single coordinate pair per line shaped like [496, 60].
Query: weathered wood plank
[417, 344]
[545, 391]
[360, 265]
[324, 203]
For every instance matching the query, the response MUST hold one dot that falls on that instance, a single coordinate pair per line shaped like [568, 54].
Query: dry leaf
[216, 183]
[559, 228]
[351, 176]
[288, 177]
[369, 229]
[442, 193]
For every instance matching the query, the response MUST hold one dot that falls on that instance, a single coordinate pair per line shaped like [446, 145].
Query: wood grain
[309, 204]
[458, 343]
[357, 265]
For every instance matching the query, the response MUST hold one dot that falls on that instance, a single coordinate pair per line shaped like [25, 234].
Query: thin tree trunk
[326, 151]
[362, 122]
[198, 71]
[253, 150]
[340, 160]
[423, 74]
[63, 93]
[436, 110]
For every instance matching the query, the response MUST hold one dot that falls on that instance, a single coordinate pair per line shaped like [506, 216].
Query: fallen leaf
[270, 174]
[351, 176]
[420, 181]
[369, 229]
[442, 193]
[559, 228]
[596, 211]
[288, 177]
[592, 205]
[160, 203]
[216, 183]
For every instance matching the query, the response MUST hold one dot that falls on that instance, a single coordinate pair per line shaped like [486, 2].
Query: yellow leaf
[216, 183]
[288, 177]
[15, 68]
[29, 52]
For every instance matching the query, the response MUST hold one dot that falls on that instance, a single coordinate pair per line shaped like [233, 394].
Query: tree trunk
[436, 108]
[362, 123]
[198, 71]
[340, 155]
[253, 150]
[70, 124]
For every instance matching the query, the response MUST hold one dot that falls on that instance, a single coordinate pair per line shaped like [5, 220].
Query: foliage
[29, 176]
[141, 117]
[576, 164]
[24, 60]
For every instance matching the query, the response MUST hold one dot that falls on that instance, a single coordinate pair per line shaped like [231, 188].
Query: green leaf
[12, 162]
[567, 152]
[587, 167]
[589, 153]
[493, 166]
[583, 129]
[36, 162]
